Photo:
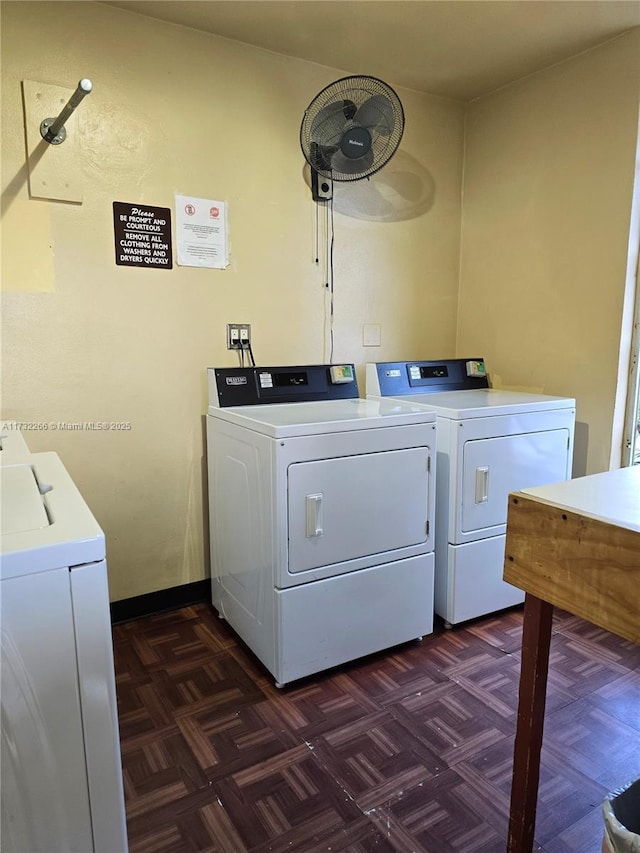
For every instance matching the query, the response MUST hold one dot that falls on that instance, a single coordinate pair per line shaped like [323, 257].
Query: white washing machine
[321, 516]
[61, 775]
[490, 443]
[13, 447]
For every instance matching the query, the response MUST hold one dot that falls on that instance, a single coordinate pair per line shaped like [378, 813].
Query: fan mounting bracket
[321, 187]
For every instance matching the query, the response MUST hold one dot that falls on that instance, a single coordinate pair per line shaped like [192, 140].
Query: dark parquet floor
[408, 750]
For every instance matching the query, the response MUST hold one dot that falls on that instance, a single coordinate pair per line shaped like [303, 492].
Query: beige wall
[546, 223]
[177, 111]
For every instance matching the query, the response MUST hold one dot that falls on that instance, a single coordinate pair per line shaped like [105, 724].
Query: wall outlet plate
[238, 335]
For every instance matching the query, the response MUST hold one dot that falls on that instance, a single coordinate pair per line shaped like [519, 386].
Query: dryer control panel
[395, 378]
[251, 386]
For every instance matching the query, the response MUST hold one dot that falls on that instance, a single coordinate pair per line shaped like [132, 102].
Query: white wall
[178, 111]
[548, 185]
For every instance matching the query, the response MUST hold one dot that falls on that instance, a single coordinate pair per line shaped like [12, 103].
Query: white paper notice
[201, 232]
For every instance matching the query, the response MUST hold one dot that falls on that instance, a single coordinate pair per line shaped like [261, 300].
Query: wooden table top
[576, 545]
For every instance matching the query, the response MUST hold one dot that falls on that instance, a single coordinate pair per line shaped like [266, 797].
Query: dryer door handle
[314, 515]
[482, 484]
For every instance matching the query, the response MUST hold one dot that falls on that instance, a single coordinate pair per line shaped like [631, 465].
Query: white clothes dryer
[61, 775]
[321, 515]
[489, 443]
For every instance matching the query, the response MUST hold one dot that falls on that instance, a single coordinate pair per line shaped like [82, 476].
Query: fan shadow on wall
[404, 189]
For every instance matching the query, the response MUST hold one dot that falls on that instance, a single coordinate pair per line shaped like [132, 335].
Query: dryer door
[354, 506]
[493, 467]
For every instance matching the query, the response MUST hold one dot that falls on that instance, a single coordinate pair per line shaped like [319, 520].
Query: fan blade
[351, 165]
[327, 126]
[321, 156]
[377, 114]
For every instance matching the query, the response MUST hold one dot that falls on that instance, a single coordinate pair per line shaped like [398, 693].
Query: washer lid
[485, 402]
[282, 420]
[13, 447]
[45, 522]
[21, 501]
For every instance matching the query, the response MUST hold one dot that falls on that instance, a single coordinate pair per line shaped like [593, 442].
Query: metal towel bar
[52, 129]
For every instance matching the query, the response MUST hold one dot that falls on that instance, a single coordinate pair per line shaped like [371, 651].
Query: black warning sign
[142, 235]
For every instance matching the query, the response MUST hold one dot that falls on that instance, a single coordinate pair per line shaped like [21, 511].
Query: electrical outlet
[233, 336]
[238, 335]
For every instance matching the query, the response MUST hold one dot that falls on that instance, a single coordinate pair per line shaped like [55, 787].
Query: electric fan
[351, 129]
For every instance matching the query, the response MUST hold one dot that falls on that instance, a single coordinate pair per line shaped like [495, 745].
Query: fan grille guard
[352, 115]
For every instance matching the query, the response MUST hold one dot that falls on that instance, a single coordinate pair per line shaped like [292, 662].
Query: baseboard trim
[158, 602]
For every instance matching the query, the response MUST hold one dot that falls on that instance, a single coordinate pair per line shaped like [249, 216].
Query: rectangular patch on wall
[142, 235]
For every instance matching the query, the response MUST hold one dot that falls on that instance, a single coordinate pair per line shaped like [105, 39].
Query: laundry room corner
[550, 165]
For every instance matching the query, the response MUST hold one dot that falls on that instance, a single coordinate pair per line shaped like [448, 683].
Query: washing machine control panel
[420, 377]
[250, 386]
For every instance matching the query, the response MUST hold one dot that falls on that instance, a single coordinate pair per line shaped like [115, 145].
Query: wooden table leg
[536, 639]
